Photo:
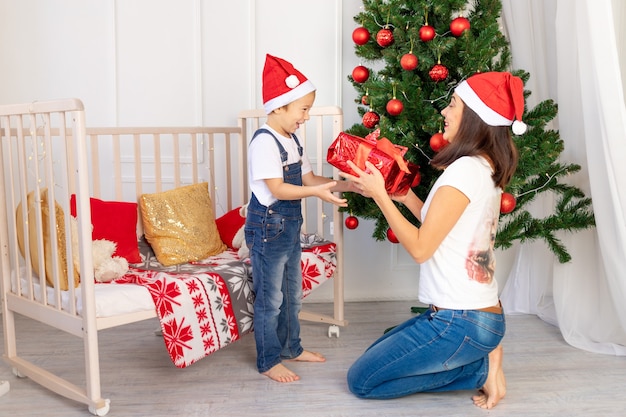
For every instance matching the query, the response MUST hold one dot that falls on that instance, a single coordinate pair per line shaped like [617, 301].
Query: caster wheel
[333, 330]
[17, 373]
[4, 387]
[103, 411]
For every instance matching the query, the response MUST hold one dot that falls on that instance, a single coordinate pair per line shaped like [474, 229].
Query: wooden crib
[47, 152]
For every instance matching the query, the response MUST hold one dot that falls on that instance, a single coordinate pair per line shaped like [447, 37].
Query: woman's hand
[400, 198]
[370, 184]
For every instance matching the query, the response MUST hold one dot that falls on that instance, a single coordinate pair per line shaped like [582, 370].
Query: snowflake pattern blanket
[206, 305]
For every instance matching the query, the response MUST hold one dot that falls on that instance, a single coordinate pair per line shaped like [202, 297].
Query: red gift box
[399, 174]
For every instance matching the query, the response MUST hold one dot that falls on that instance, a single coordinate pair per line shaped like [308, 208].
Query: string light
[416, 146]
[387, 25]
[447, 95]
[534, 190]
[550, 177]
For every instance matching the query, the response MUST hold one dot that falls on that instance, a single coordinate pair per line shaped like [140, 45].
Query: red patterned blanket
[195, 311]
[207, 305]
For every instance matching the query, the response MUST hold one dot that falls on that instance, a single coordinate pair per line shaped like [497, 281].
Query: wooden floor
[545, 376]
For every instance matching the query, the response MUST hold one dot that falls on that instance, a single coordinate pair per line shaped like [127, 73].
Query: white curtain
[575, 52]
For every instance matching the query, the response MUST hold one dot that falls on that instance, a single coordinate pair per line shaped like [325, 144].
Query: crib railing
[43, 153]
[47, 151]
[129, 161]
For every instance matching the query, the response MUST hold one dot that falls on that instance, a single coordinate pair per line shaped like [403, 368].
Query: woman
[455, 344]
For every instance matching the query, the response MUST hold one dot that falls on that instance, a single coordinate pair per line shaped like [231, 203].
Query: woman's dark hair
[476, 138]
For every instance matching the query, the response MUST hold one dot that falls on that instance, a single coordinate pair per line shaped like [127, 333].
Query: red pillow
[115, 221]
[228, 225]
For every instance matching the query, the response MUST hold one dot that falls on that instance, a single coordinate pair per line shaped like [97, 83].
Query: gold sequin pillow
[31, 222]
[180, 224]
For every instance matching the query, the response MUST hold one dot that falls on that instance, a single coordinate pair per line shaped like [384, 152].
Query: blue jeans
[273, 237]
[444, 350]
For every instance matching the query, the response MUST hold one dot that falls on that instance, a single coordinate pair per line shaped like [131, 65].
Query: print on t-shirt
[481, 261]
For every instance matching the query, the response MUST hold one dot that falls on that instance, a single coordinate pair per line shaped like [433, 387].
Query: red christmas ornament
[507, 203]
[360, 74]
[459, 25]
[384, 37]
[438, 142]
[394, 107]
[408, 62]
[352, 222]
[438, 73]
[365, 100]
[427, 33]
[360, 35]
[391, 236]
[370, 119]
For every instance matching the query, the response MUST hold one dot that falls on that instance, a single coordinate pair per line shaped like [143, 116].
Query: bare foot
[495, 385]
[307, 356]
[280, 373]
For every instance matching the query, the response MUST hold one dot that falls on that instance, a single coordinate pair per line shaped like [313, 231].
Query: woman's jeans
[444, 350]
[273, 237]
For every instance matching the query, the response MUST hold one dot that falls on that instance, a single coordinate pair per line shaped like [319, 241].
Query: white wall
[166, 62]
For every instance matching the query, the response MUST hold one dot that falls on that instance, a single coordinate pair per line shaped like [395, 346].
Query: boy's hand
[324, 192]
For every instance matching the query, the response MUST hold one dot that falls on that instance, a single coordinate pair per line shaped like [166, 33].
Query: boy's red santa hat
[282, 83]
[497, 98]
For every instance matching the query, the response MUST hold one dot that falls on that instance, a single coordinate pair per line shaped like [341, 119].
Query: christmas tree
[414, 52]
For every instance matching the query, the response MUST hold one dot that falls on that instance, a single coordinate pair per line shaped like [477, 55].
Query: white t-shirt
[264, 162]
[460, 274]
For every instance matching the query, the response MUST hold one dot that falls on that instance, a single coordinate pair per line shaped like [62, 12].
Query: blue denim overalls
[273, 237]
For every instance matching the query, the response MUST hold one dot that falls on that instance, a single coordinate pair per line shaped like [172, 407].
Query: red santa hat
[282, 83]
[497, 98]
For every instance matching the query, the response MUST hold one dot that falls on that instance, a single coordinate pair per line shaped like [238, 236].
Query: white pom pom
[519, 128]
[292, 81]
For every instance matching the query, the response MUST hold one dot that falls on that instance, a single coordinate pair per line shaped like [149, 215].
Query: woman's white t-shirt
[460, 274]
[264, 162]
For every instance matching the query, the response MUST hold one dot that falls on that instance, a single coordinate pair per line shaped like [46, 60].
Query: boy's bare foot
[307, 356]
[495, 385]
[281, 373]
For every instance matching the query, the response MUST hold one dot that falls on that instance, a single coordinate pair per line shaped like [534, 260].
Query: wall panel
[58, 49]
[156, 62]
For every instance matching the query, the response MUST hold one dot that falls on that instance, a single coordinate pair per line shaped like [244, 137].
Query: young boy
[280, 176]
